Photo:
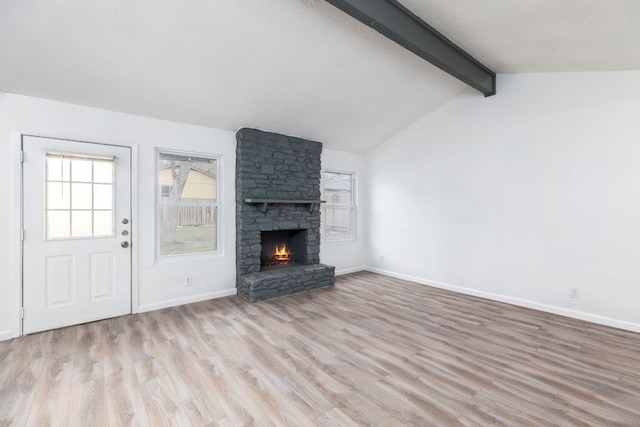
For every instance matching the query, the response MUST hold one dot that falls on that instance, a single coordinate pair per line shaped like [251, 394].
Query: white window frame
[159, 203]
[352, 206]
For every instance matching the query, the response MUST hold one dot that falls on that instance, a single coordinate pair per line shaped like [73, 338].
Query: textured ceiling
[300, 67]
[528, 36]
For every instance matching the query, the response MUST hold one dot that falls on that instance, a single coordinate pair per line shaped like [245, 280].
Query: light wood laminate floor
[370, 351]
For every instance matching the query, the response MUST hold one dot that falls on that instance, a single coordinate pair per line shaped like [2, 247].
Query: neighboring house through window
[187, 202]
[339, 219]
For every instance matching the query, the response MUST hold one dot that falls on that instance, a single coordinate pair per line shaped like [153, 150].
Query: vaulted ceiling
[300, 67]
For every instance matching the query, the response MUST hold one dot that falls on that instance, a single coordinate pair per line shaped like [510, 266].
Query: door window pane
[58, 167]
[81, 196]
[58, 224]
[81, 170]
[81, 223]
[102, 196]
[77, 206]
[103, 172]
[103, 223]
[58, 195]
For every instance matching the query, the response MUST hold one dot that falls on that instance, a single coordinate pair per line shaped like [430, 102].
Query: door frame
[18, 211]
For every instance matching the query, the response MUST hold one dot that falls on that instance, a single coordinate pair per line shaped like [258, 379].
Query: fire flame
[280, 257]
[282, 252]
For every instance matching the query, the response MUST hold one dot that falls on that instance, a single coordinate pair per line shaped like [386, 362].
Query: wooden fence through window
[192, 215]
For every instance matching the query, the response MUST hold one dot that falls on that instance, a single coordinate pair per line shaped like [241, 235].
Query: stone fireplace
[278, 216]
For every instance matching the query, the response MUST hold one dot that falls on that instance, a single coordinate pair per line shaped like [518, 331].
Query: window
[340, 207]
[165, 190]
[187, 200]
[79, 196]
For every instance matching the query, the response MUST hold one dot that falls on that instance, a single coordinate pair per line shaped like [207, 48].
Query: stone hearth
[278, 189]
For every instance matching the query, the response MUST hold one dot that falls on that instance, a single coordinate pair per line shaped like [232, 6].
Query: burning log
[281, 257]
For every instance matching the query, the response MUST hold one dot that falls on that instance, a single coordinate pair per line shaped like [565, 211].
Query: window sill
[345, 242]
[168, 259]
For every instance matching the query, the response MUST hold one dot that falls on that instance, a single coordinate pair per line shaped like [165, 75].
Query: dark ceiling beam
[397, 23]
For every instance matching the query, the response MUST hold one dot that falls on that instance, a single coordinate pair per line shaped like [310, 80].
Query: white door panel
[76, 201]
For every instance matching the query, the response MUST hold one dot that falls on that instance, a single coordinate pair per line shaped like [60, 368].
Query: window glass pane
[80, 196]
[338, 223]
[103, 196]
[201, 188]
[103, 223]
[58, 195]
[195, 230]
[182, 177]
[187, 196]
[338, 188]
[103, 172]
[58, 224]
[81, 170]
[338, 213]
[81, 224]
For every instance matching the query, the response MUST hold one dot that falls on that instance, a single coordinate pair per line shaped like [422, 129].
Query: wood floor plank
[225, 422]
[135, 416]
[199, 403]
[21, 379]
[89, 359]
[87, 405]
[20, 420]
[162, 404]
[145, 360]
[239, 401]
[123, 395]
[58, 371]
[372, 350]
[283, 373]
[334, 418]
[277, 406]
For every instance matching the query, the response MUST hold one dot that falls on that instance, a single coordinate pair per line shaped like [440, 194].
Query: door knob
[124, 244]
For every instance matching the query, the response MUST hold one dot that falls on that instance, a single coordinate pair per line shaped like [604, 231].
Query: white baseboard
[580, 315]
[186, 300]
[6, 335]
[350, 270]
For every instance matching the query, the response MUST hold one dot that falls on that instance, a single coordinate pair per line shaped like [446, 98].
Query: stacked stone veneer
[274, 166]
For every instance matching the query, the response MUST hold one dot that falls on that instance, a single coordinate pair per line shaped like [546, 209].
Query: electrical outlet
[573, 292]
[188, 281]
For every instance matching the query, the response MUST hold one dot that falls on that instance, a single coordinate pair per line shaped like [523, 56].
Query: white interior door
[77, 211]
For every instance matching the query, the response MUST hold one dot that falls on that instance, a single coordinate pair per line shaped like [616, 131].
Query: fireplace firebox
[283, 248]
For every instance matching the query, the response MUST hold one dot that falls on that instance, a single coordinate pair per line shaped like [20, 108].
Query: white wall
[517, 197]
[520, 196]
[156, 283]
[347, 256]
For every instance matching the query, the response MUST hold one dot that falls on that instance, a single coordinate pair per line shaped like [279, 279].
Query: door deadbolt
[125, 221]
[124, 244]
[125, 232]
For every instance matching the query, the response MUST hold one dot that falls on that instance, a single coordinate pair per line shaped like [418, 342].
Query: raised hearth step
[278, 282]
